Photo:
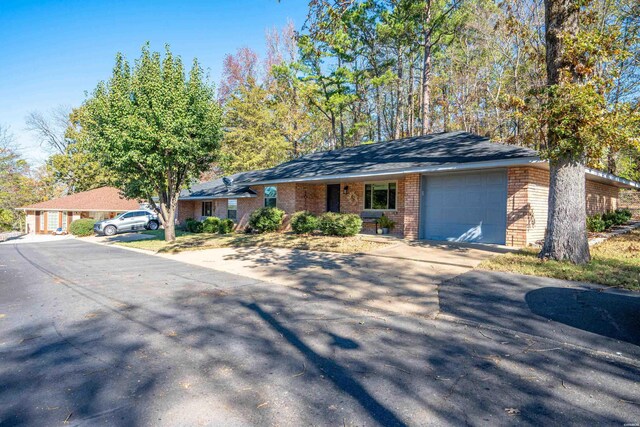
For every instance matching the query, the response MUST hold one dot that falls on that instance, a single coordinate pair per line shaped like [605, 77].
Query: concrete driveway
[401, 278]
[99, 335]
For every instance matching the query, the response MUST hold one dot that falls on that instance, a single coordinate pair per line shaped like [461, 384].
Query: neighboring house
[100, 203]
[450, 186]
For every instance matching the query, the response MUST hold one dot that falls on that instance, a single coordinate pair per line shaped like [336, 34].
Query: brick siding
[411, 195]
[527, 202]
[601, 197]
[630, 199]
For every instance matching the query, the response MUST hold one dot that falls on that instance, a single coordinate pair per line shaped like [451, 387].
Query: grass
[191, 242]
[615, 262]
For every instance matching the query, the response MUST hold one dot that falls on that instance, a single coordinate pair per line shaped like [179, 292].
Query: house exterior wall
[527, 198]
[187, 209]
[601, 197]
[527, 202]
[30, 221]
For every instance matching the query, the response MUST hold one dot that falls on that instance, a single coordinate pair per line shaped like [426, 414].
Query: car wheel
[109, 230]
[153, 225]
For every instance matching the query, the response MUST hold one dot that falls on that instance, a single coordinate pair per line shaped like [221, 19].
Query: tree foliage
[156, 127]
[17, 186]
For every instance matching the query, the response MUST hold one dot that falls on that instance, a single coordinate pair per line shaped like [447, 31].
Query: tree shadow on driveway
[184, 345]
[612, 315]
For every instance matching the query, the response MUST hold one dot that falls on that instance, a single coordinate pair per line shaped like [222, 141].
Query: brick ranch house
[100, 203]
[450, 187]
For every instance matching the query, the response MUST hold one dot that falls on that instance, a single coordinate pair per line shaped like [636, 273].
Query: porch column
[411, 206]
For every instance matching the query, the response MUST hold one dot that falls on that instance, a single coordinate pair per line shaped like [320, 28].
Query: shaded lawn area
[615, 262]
[191, 242]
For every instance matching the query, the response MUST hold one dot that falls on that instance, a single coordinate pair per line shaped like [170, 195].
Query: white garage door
[466, 207]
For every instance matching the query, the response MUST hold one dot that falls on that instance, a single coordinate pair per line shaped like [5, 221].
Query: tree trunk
[170, 219]
[410, 106]
[397, 126]
[566, 236]
[445, 109]
[426, 74]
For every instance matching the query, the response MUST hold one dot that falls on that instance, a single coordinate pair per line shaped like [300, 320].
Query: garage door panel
[467, 207]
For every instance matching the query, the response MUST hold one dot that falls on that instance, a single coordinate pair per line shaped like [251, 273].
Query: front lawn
[191, 242]
[615, 262]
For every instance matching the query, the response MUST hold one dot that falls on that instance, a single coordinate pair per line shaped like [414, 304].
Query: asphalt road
[100, 335]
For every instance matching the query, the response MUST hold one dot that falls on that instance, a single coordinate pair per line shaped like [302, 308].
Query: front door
[333, 198]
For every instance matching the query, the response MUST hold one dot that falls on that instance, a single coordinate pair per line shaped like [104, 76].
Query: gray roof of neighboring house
[417, 154]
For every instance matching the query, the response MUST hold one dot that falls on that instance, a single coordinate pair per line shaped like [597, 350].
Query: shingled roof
[107, 199]
[400, 155]
[439, 151]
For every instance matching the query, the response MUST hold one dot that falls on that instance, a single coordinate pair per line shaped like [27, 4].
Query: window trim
[202, 209]
[236, 209]
[57, 219]
[264, 195]
[364, 189]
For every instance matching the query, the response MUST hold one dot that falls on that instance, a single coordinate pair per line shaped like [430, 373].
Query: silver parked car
[128, 221]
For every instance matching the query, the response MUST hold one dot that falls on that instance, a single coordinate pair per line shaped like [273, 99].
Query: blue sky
[54, 51]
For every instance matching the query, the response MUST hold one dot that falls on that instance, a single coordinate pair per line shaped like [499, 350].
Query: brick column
[411, 206]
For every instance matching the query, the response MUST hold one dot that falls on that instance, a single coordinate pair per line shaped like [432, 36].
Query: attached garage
[465, 207]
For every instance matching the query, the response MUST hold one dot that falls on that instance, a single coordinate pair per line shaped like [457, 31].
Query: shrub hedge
[266, 219]
[340, 224]
[211, 224]
[225, 226]
[193, 226]
[595, 224]
[82, 227]
[601, 222]
[304, 222]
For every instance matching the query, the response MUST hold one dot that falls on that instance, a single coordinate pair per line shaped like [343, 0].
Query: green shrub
[386, 222]
[82, 227]
[623, 216]
[211, 224]
[304, 222]
[340, 224]
[225, 226]
[595, 223]
[266, 219]
[193, 226]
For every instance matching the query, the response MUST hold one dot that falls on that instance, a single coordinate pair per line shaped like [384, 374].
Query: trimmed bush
[595, 224]
[304, 222]
[610, 219]
[225, 226]
[211, 224]
[340, 224]
[623, 216]
[193, 226]
[82, 227]
[266, 219]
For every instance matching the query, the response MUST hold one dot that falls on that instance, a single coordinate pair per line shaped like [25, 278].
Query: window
[64, 220]
[52, 221]
[41, 213]
[380, 196]
[270, 196]
[207, 208]
[232, 209]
